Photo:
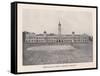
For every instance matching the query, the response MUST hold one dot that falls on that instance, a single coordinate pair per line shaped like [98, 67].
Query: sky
[40, 20]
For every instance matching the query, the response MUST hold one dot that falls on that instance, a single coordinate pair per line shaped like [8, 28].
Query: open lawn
[57, 54]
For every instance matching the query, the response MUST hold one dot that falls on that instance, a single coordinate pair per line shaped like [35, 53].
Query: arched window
[59, 40]
[62, 40]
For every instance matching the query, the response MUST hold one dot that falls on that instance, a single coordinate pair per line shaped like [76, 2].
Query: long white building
[45, 38]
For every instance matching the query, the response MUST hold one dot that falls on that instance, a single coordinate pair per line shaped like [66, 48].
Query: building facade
[45, 38]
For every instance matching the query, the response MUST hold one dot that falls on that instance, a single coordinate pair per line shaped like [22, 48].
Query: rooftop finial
[45, 32]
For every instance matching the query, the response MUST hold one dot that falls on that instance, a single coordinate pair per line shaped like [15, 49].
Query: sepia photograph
[55, 37]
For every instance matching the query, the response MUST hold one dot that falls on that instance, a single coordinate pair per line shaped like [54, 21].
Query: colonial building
[45, 38]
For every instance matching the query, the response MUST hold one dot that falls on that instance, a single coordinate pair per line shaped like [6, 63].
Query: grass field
[57, 54]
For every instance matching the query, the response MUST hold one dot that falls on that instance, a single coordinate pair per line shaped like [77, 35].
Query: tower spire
[59, 28]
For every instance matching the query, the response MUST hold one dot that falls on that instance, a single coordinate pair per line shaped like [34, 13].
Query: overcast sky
[39, 20]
